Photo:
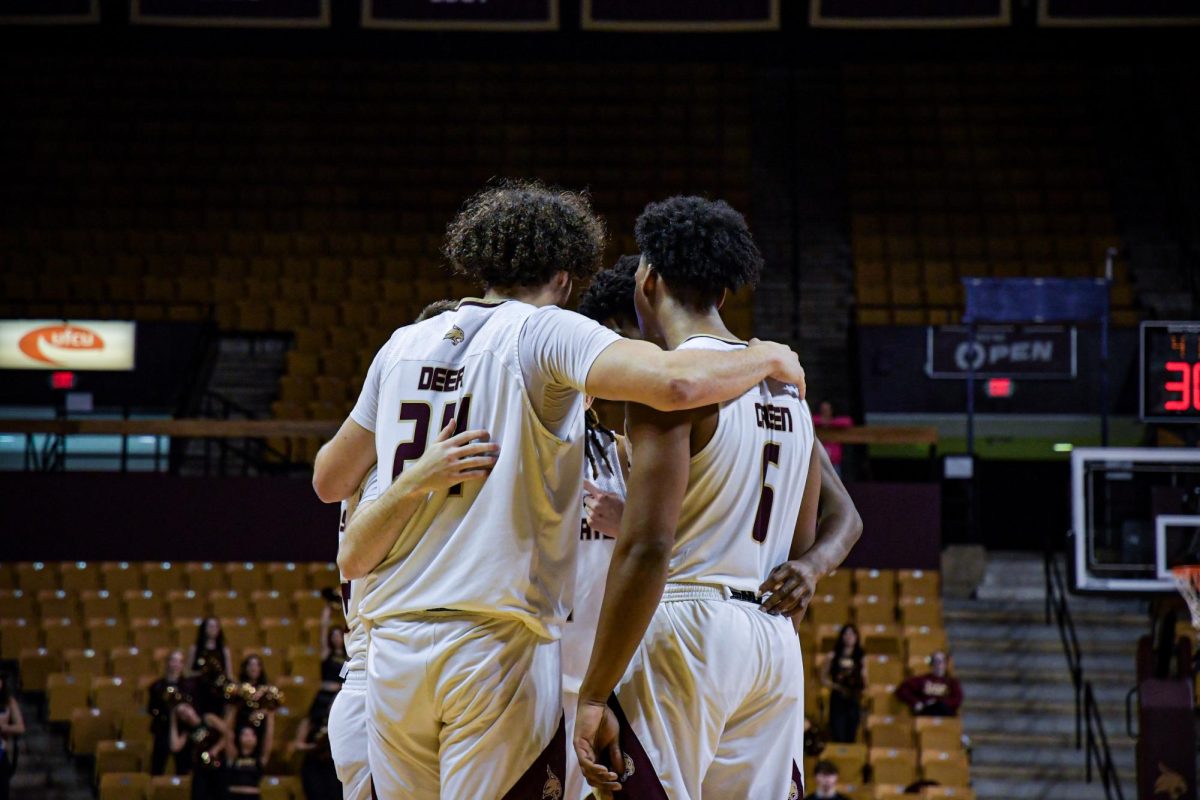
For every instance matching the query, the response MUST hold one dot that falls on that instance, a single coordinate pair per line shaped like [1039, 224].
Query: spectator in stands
[333, 654]
[210, 666]
[827, 783]
[845, 675]
[202, 737]
[252, 703]
[165, 693]
[824, 418]
[934, 694]
[317, 772]
[12, 725]
[245, 765]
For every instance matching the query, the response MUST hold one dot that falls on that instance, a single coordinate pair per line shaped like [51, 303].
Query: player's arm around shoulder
[343, 461]
[641, 372]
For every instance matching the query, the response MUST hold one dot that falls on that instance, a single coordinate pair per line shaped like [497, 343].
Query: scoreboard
[1170, 372]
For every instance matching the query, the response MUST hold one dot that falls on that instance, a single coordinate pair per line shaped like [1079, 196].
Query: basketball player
[348, 715]
[609, 301]
[464, 603]
[711, 703]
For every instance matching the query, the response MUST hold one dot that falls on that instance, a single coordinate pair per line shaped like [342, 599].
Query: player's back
[503, 546]
[744, 486]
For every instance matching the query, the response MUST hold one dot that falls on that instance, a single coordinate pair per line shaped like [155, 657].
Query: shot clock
[1170, 372]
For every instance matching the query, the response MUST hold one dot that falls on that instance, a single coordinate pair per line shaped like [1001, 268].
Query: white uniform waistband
[675, 592]
[354, 679]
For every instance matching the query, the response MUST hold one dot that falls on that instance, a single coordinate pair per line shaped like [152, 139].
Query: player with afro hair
[701, 248]
[609, 298]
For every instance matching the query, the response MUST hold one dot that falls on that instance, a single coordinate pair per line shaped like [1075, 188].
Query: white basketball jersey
[745, 487]
[603, 468]
[356, 639]
[504, 546]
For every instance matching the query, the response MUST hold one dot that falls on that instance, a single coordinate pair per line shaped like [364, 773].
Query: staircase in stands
[1019, 708]
[45, 770]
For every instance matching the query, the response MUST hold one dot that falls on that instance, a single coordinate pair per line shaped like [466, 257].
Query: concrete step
[1059, 675]
[1001, 786]
[1024, 641]
[1004, 696]
[1058, 730]
[1041, 661]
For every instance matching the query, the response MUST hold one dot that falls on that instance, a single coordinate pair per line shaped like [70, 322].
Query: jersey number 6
[418, 414]
[762, 519]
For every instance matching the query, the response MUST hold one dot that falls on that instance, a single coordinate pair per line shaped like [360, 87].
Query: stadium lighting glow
[1063, 447]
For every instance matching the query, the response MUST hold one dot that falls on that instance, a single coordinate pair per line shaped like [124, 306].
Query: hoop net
[1187, 581]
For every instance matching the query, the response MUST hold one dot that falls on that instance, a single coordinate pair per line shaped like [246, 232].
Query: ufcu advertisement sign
[70, 345]
[1028, 351]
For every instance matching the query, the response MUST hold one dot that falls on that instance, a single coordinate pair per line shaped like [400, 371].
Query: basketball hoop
[1187, 581]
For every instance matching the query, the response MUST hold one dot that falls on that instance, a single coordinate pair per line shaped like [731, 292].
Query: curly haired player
[694, 634]
[464, 602]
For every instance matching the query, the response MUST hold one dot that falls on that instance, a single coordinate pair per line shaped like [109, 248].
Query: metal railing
[1089, 725]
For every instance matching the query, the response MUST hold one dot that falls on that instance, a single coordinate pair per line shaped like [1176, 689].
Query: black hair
[6, 690]
[435, 308]
[594, 445]
[825, 768]
[857, 654]
[701, 247]
[244, 674]
[610, 297]
[329, 639]
[521, 233]
[202, 637]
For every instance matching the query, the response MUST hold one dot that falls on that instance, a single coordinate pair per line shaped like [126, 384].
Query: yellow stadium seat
[229, 603]
[161, 577]
[308, 604]
[124, 786]
[183, 631]
[323, 575]
[240, 633]
[17, 635]
[15, 604]
[134, 725]
[116, 755]
[882, 700]
[286, 577]
[119, 577]
[115, 694]
[944, 739]
[84, 661]
[57, 603]
[142, 604]
[62, 634]
[879, 582]
[95, 603]
[170, 787]
[281, 787]
[882, 640]
[890, 731]
[304, 661]
[918, 583]
[923, 640]
[88, 727]
[280, 633]
[204, 577]
[130, 662]
[298, 691]
[827, 637]
[848, 758]
[829, 609]
[186, 603]
[64, 694]
[840, 582]
[947, 793]
[953, 724]
[893, 765]
[36, 576]
[150, 633]
[873, 610]
[885, 791]
[36, 664]
[946, 768]
[273, 661]
[79, 576]
[106, 633]
[271, 604]
[920, 610]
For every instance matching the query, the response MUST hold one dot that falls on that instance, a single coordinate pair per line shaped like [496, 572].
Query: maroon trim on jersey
[544, 778]
[480, 303]
[797, 781]
[639, 778]
[373, 795]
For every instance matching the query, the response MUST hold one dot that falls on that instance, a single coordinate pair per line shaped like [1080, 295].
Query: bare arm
[343, 461]
[373, 529]
[176, 740]
[636, 576]
[672, 380]
[16, 723]
[838, 527]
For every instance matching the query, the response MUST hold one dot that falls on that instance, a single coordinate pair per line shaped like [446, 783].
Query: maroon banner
[232, 13]
[915, 14]
[49, 12]
[680, 15]
[1098, 13]
[492, 15]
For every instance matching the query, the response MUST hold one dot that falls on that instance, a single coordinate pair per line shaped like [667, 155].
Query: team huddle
[541, 607]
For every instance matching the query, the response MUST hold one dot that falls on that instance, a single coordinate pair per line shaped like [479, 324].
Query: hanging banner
[232, 13]
[49, 12]
[921, 14]
[680, 15]
[1001, 351]
[490, 15]
[56, 344]
[1101, 13]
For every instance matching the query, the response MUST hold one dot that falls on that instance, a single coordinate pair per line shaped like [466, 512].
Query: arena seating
[899, 615]
[961, 171]
[95, 678]
[94, 652]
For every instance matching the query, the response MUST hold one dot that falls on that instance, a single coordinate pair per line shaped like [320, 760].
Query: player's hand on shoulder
[788, 369]
[454, 458]
[597, 736]
[604, 509]
[792, 585]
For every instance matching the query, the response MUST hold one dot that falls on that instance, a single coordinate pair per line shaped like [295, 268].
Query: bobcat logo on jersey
[455, 335]
[1169, 782]
[794, 792]
[629, 770]
[552, 789]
